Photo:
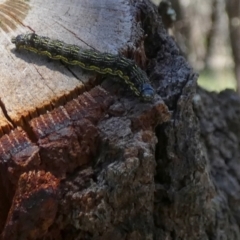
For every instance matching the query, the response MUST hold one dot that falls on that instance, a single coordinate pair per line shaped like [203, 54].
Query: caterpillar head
[147, 92]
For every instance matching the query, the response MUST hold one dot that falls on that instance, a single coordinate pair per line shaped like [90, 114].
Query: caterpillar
[104, 63]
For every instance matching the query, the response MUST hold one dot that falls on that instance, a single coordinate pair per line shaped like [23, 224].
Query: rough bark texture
[218, 116]
[105, 166]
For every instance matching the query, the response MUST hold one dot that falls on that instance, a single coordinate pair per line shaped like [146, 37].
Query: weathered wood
[83, 154]
[31, 84]
[30, 217]
[105, 165]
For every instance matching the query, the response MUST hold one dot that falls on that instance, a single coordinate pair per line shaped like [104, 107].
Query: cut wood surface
[31, 84]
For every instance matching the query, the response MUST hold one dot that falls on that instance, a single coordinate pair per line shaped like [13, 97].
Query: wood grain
[30, 84]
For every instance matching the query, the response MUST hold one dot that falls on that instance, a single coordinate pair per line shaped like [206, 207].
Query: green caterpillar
[103, 63]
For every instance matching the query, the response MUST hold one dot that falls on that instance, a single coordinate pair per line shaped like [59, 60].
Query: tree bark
[104, 165]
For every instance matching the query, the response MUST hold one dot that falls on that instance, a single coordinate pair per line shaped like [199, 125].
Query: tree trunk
[233, 11]
[101, 164]
[213, 32]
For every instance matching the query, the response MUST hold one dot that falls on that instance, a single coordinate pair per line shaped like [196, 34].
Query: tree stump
[71, 145]
[82, 158]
